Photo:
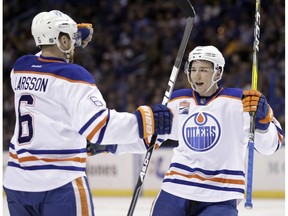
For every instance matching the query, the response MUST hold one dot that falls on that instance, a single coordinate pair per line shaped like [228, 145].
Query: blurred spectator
[135, 44]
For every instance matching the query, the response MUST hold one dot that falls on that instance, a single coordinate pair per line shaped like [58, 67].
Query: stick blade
[186, 7]
[248, 205]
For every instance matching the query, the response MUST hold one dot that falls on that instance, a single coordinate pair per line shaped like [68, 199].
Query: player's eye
[203, 70]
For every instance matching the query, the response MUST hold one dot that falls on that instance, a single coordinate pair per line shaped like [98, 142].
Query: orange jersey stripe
[280, 137]
[84, 204]
[178, 98]
[33, 158]
[97, 128]
[214, 179]
[50, 60]
[228, 96]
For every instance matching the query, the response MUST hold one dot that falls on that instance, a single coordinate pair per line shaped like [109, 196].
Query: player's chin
[200, 88]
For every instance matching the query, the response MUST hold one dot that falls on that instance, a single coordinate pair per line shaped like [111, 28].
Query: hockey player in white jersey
[206, 176]
[58, 108]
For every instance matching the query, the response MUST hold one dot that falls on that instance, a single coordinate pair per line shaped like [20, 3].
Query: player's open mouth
[199, 83]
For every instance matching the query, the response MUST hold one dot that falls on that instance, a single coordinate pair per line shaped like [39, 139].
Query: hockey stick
[189, 13]
[248, 203]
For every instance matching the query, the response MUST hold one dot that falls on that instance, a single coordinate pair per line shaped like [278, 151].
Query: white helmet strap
[67, 53]
[212, 80]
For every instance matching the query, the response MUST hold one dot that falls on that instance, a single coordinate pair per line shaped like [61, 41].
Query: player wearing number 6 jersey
[58, 108]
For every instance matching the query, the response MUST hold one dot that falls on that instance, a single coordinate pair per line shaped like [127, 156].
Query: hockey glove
[255, 101]
[86, 31]
[93, 149]
[156, 119]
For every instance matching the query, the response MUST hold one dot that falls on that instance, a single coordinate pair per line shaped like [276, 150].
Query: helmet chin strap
[67, 53]
[193, 86]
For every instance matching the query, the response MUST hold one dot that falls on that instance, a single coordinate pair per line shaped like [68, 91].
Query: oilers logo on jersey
[201, 131]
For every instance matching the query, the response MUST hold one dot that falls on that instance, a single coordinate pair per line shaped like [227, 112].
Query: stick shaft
[168, 92]
[248, 203]
[256, 46]
[177, 64]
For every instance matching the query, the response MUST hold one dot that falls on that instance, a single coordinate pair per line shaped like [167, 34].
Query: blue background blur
[135, 44]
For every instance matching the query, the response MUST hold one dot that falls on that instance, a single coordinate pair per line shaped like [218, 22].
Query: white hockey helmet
[46, 27]
[208, 53]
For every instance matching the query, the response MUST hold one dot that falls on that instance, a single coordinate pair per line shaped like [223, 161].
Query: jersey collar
[51, 59]
[202, 101]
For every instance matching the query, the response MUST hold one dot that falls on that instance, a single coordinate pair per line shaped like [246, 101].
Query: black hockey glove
[93, 149]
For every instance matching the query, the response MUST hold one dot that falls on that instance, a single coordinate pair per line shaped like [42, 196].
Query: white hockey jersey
[212, 133]
[208, 164]
[57, 108]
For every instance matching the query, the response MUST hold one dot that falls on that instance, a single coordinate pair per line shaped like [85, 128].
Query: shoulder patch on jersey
[232, 92]
[184, 107]
[181, 93]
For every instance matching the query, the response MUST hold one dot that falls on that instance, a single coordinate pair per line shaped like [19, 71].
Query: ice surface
[118, 206]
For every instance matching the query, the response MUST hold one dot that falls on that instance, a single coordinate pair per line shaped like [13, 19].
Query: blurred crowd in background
[135, 43]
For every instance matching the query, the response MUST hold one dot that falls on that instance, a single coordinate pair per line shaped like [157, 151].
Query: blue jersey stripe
[208, 172]
[91, 121]
[12, 146]
[232, 92]
[49, 151]
[181, 93]
[56, 151]
[279, 130]
[44, 167]
[102, 132]
[212, 187]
